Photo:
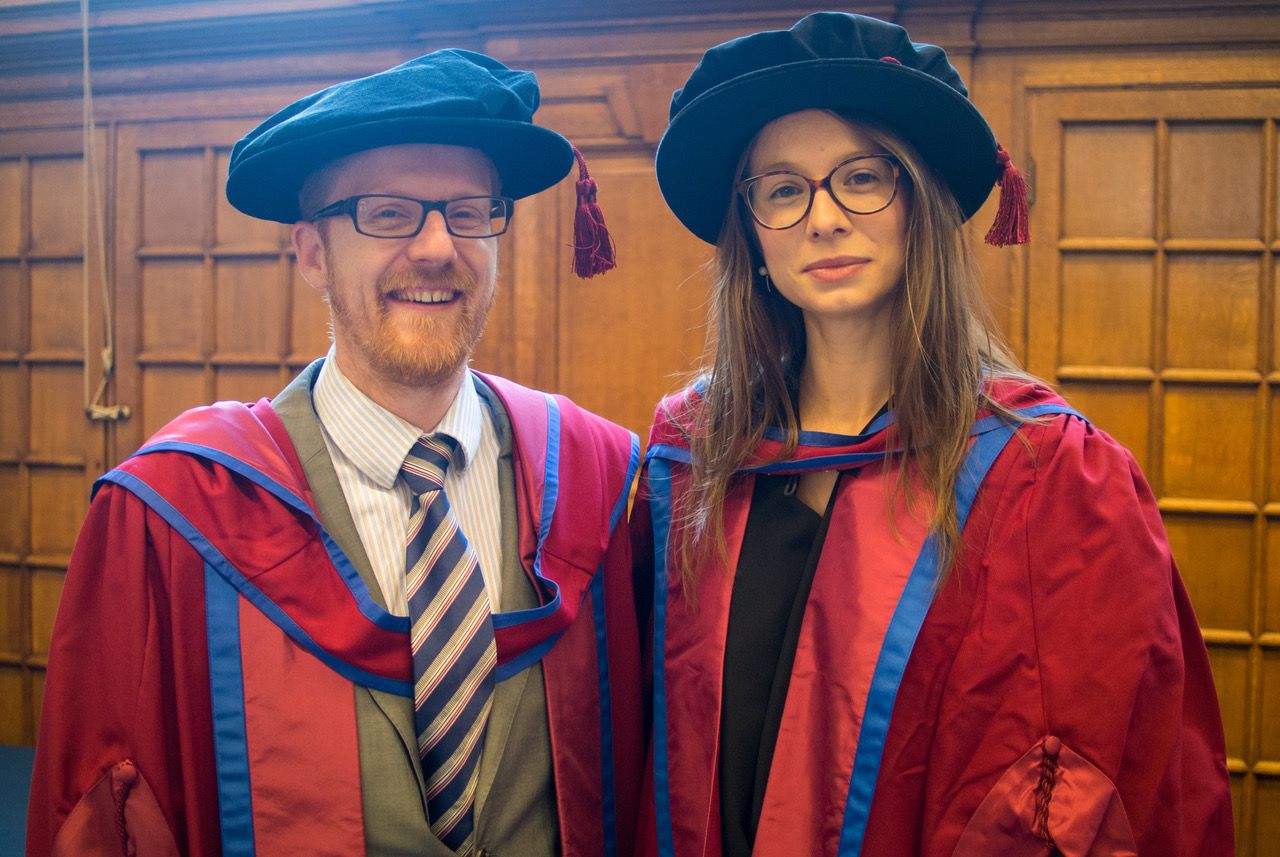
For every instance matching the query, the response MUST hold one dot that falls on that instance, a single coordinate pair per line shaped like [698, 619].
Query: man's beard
[416, 350]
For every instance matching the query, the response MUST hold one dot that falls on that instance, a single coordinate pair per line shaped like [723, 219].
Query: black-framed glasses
[780, 199]
[387, 216]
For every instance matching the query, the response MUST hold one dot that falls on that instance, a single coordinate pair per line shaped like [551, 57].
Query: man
[355, 619]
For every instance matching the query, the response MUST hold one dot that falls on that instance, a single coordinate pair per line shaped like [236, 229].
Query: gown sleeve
[1131, 760]
[124, 756]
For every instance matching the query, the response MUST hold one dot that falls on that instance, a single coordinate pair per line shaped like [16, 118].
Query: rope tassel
[593, 250]
[1013, 219]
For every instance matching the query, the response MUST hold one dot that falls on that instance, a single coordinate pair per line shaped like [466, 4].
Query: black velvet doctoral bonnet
[452, 97]
[828, 60]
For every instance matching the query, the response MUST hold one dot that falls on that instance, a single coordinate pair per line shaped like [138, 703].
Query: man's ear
[308, 245]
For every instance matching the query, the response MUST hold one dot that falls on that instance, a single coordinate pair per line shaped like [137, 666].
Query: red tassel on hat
[593, 251]
[1013, 220]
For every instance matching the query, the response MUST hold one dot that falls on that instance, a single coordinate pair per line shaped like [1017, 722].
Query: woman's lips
[836, 268]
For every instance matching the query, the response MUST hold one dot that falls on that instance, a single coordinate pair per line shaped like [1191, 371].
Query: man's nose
[433, 243]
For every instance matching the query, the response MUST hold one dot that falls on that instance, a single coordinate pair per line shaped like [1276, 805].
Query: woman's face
[832, 264]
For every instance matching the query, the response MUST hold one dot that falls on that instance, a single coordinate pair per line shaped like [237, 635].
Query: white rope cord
[93, 210]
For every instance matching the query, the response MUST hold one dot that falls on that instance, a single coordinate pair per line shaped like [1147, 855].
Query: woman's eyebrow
[791, 166]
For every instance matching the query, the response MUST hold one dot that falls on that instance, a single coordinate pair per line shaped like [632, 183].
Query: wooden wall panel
[207, 301]
[1209, 443]
[246, 383]
[56, 293]
[1269, 710]
[1111, 190]
[12, 606]
[175, 197]
[1270, 619]
[12, 419]
[1213, 313]
[521, 335]
[250, 308]
[13, 527]
[46, 589]
[1231, 679]
[174, 318]
[631, 339]
[626, 338]
[1266, 818]
[58, 504]
[1161, 288]
[49, 451]
[58, 391]
[12, 195]
[13, 706]
[1216, 179]
[56, 205]
[1096, 290]
[1216, 557]
[13, 297]
[168, 391]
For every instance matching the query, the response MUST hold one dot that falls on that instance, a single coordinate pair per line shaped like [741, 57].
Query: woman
[905, 600]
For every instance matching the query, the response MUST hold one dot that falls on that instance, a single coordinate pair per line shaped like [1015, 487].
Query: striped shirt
[368, 444]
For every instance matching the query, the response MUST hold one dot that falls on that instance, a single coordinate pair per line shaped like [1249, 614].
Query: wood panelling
[1231, 678]
[49, 452]
[14, 699]
[1110, 191]
[46, 589]
[206, 293]
[1209, 442]
[622, 340]
[12, 198]
[1097, 288]
[1216, 555]
[12, 420]
[13, 295]
[53, 437]
[1213, 299]
[1151, 292]
[1148, 131]
[1266, 817]
[11, 604]
[1271, 579]
[13, 526]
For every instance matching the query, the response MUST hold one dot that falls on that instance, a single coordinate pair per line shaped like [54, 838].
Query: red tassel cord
[593, 250]
[1013, 220]
[1044, 789]
[123, 777]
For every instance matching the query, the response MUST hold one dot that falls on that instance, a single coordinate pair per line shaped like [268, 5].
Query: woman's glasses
[782, 198]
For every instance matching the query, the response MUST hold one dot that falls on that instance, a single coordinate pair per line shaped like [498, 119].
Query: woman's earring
[763, 271]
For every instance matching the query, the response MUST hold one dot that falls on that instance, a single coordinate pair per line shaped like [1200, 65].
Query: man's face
[405, 311]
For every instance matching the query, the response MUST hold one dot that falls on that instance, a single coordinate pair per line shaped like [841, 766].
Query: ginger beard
[405, 348]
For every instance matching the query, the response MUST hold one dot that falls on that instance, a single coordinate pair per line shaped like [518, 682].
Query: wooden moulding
[149, 44]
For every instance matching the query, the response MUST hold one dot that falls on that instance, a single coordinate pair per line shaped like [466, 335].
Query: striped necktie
[452, 643]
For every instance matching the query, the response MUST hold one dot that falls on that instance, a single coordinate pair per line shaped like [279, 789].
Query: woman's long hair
[942, 347]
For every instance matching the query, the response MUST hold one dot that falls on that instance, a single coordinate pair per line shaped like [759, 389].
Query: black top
[780, 550]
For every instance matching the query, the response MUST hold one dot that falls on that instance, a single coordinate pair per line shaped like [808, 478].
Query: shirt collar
[376, 440]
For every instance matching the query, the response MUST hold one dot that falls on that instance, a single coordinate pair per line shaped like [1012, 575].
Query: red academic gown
[1055, 690]
[199, 698]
